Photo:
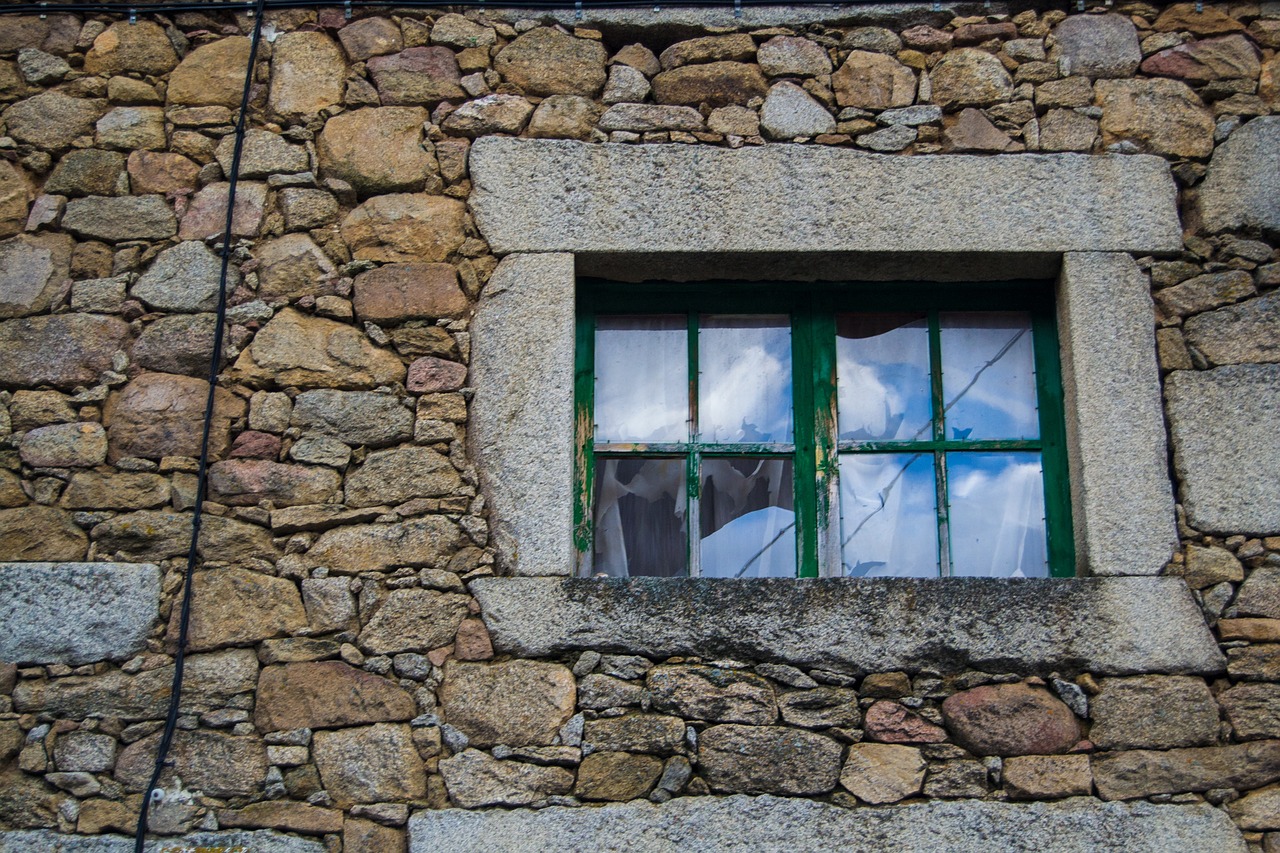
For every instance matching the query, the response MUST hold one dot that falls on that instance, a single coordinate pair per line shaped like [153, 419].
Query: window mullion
[938, 405]
[804, 410]
[694, 460]
[1053, 456]
[825, 434]
[584, 420]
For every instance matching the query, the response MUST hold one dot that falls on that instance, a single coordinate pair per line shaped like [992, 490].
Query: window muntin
[868, 441]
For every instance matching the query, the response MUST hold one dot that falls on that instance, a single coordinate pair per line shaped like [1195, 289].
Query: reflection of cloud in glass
[997, 515]
[882, 370]
[760, 544]
[641, 367]
[744, 382]
[881, 402]
[888, 517]
[995, 349]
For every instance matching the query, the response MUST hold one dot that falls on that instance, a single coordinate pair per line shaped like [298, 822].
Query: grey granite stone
[524, 400]
[563, 196]
[790, 111]
[1097, 46]
[1122, 501]
[184, 278]
[116, 219]
[76, 613]
[1224, 424]
[1248, 332]
[1104, 625]
[1242, 187]
[770, 823]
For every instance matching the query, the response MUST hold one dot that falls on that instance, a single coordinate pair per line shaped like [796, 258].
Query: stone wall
[342, 676]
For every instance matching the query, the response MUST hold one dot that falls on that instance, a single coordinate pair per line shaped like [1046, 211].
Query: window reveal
[824, 431]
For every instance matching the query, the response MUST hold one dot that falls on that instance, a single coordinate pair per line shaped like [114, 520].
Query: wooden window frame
[816, 450]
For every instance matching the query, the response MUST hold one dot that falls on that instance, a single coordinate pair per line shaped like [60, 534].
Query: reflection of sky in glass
[888, 515]
[744, 378]
[988, 375]
[640, 518]
[882, 370]
[747, 518]
[997, 515]
[641, 367]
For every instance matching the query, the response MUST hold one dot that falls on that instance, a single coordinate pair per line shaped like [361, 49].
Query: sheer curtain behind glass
[641, 396]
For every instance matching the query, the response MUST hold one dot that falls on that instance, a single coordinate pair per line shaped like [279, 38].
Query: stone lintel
[537, 195]
[1110, 626]
[75, 613]
[744, 823]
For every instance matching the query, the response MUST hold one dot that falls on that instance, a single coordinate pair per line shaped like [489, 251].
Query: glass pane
[642, 369]
[882, 377]
[988, 375]
[997, 515]
[640, 518]
[744, 378]
[888, 515]
[748, 519]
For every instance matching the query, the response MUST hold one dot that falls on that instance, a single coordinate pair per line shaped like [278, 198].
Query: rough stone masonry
[344, 692]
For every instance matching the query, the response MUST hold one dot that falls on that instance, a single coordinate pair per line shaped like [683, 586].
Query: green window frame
[816, 451]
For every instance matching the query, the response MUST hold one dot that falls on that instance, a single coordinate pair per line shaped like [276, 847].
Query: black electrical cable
[202, 476]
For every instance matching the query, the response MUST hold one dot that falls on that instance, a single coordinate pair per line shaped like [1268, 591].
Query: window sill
[1107, 626]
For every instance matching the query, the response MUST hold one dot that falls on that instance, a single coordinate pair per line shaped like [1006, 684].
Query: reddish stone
[256, 445]
[889, 722]
[1010, 719]
[245, 482]
[207, 213]
[398, 292]
[160, 414]
[1229, 57]
[332, 18]
[472, 642]
[429, 375]
[971, 34]
[973, 131]
[419, 75]
[927, 38]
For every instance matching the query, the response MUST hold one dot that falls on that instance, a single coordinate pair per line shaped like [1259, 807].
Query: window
[858, 430]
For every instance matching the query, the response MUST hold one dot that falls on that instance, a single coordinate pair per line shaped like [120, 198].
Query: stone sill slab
[1107, 626]
[771, 823]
